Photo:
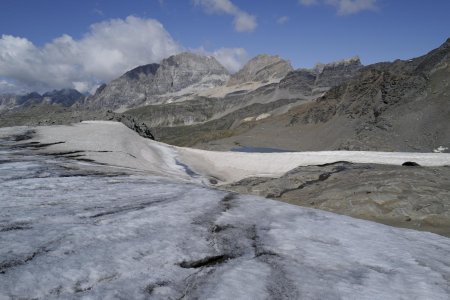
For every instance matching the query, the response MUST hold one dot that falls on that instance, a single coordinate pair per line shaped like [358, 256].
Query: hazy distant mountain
[64, 97]
[181, 74]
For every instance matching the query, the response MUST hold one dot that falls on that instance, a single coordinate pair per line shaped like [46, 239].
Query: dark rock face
[141, 128]
[139, 72]
[376, 89]
[337, 73]
[310, 82]
[299, 81]
[155, 83]
[261, 68]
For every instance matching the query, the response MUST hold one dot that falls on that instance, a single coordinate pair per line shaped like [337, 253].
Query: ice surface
[125, 148]
[70, 230]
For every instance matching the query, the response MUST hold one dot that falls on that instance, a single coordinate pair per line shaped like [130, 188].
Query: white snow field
[127, 149]
[79, 230]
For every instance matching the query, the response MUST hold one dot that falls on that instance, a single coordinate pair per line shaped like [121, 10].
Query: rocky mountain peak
[335, 73]
[350, 62]
[175, 76]
[193, 60]
[447, 42]
[433, 60]
[186, 69]
[262, 68]
[316, 81]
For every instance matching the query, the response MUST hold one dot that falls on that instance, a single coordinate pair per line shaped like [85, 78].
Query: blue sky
[303, 31]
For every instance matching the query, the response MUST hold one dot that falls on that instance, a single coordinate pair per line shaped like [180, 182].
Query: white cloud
[108, 50]
[282, 20]
[83, 86]
[231, 58]
[344, 7]
[243, 21]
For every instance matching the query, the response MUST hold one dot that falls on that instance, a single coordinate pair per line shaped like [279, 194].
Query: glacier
[78, 229]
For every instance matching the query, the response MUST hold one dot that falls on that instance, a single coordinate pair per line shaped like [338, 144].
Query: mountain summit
[261, 68]
[177, 75]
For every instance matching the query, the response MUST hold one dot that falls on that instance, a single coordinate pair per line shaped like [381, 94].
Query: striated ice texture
[76, 230]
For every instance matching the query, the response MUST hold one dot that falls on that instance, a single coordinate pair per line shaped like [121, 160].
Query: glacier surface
[71, 230]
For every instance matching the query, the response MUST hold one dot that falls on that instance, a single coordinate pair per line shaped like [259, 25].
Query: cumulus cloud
[282, 20]
[109, 49]
[344, 7]
[231, 58]
[243, 21]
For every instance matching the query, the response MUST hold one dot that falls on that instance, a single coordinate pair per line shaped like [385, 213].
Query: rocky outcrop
[309, 82]
[141, 128]
[379, 88]
[301, 81]
[414, 197]
[178, 75]
[261, 68]
[336, 73]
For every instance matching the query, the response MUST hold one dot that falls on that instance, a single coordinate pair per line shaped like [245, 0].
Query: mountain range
[64, 97]
[191, 100]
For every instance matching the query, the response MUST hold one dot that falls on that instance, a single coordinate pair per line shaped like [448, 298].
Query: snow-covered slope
[115, 144]
[72, 230]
